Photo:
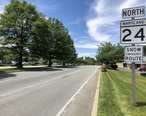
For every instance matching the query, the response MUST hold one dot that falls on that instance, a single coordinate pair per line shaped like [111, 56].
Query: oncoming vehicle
[142, 69]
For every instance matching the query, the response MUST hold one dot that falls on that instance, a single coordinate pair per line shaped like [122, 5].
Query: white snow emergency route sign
[134, 54]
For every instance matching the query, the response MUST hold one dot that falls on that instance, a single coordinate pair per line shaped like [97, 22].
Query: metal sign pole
[133, 83]
[133, 80]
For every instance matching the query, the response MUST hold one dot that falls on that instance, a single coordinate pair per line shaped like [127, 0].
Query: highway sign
[134, 54]
[133, 12]
[133, 31]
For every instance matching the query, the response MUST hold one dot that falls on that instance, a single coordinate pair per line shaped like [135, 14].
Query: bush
[114, 66]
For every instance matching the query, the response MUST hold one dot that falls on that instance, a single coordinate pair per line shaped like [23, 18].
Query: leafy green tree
[16, 25]
[6, 55]
[79, 60]
[109, 53]
[66, 50]
[2, 53]
[90, 61]
[40, 44]
[144, 50]
[61, 43]
[57, 30]
[51, 40]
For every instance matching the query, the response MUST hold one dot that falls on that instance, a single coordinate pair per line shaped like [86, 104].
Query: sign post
[133, 32]
[133, 83]
[133, 54]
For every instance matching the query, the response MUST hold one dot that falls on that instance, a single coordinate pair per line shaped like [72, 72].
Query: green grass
[115, 98]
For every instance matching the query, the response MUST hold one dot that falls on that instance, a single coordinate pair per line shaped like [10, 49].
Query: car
[142, 69]
[14, 64]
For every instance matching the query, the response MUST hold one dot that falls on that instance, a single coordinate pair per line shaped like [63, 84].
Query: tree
[144, 50]
[61, 43]
[89, 61]
[40, 44]
[79, 60]
[6, 55]
[66, 50]
[2, 53]
[109, 53]
[16, 25]
[51, 41]
[57, 31]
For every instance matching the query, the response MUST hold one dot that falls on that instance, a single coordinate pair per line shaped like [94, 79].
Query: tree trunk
[63, 63]
[20, 61]
[50, 63]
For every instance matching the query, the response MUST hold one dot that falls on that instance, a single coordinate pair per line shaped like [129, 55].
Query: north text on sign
[133, 12]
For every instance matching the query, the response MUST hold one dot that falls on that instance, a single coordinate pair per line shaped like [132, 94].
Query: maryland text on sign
[136, 22]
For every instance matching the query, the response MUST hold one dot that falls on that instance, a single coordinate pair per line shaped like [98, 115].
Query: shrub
[114, 66]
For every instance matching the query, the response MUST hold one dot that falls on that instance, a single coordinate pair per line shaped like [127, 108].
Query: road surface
[7, 67]
[47, 93]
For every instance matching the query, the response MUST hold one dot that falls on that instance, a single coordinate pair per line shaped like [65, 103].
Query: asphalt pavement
[48, 93]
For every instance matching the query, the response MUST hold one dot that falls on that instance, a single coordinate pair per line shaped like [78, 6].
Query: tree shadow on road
[65, 66]
[9, 73]
[6, 75]
[40, 69]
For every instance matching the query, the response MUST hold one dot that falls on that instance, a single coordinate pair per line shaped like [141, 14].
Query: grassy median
[115, 98]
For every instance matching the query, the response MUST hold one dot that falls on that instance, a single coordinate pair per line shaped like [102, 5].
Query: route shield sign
[133, 31]
[134, 54]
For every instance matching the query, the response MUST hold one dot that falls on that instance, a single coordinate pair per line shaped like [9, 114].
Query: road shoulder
[95, 104]
[83, 103]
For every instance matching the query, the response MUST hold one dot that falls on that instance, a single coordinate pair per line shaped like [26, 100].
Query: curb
[95, 104]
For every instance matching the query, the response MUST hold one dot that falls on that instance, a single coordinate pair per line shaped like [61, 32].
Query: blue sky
[90, 22]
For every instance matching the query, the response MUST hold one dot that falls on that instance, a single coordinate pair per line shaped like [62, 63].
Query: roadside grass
[115, 98]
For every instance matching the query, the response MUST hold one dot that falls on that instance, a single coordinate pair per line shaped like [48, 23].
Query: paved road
[44, 93]
[6, 67]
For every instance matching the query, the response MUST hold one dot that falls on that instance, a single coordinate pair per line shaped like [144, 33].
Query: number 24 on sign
[133, 35]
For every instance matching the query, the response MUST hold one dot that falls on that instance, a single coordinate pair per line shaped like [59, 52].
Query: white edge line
[73, 97]
[96, 97]
[28, 87]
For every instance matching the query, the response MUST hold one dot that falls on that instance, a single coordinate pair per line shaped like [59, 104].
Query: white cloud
[105, 15]
[77, 21]
[87, 45]
[86, 54]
